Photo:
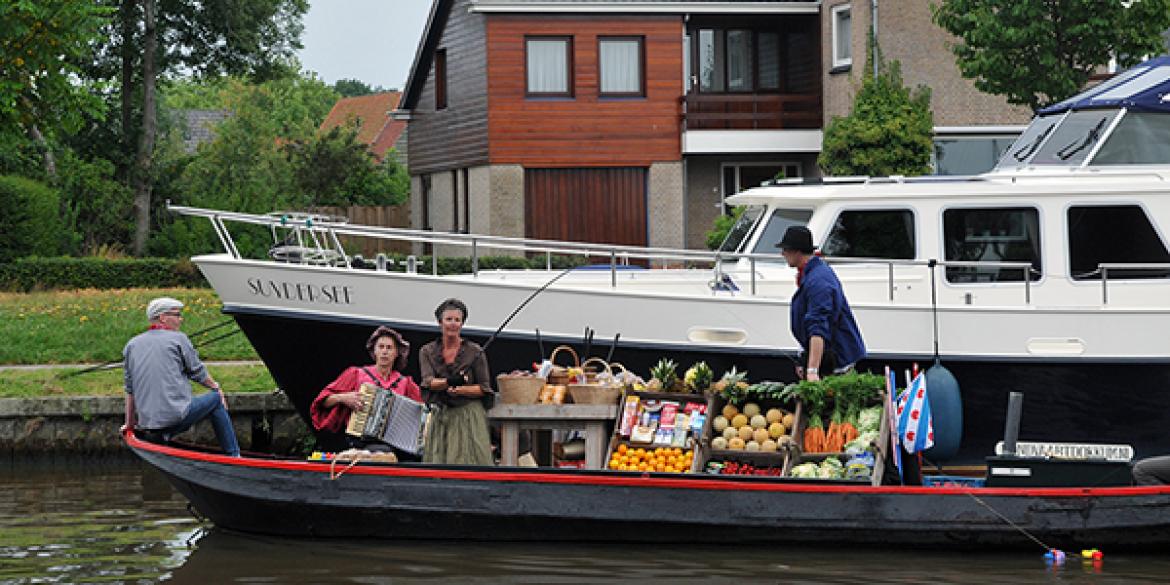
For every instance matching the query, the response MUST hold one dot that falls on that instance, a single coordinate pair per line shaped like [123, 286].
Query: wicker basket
[519, 389]
[560, 374]
[595, 393]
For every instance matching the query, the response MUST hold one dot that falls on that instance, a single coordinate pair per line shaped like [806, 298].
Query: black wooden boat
[416, 501]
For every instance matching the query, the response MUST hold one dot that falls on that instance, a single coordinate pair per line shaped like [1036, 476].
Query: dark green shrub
[30, 219]
[34, 273]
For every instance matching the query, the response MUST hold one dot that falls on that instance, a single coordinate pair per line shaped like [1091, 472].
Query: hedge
[30, 218]
[26, 274]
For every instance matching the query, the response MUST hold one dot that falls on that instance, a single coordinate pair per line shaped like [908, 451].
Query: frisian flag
[915, 427]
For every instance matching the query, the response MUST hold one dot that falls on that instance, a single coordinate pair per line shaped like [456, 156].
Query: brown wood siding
[584, 130]
[456, 136]
[602, 205]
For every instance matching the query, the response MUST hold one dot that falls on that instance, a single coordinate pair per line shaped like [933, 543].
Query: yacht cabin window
[1113, 234]
[778, 223]
[872, 233]
[1009, 234]
[1075, 138]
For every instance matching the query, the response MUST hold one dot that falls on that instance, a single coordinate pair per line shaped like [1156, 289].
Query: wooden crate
[881, 448]
[616, 439]
[779, 458]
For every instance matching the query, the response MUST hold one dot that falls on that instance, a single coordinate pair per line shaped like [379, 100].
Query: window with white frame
[620, 60]
[549, 66]
[740, 176]
[842, 36]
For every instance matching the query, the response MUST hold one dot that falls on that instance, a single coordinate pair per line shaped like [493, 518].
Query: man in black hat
[820, 316]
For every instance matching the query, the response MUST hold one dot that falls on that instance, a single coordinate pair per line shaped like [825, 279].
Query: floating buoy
[1092, 554]
[946, 410]
[1054, 556]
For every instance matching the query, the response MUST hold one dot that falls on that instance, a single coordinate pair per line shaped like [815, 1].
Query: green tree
[153, 39]
[246, 167]
[888, 132]
[354, 88]
[335, 169]
[40, 45]
[1037, 52]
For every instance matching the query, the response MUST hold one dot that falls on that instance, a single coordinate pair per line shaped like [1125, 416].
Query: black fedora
[798, 238]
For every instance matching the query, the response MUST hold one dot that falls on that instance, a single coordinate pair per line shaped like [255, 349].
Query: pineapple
[699, 377]
[664, 372]
[733, 379]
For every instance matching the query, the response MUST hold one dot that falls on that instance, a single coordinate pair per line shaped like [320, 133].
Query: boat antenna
[934, 305]
[524, 304]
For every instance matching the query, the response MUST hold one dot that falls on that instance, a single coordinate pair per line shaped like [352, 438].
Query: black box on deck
[1035, 472]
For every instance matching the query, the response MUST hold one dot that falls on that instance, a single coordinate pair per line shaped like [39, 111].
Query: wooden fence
[372, 215]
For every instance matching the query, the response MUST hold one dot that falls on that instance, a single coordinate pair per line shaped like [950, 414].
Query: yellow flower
[83, 319]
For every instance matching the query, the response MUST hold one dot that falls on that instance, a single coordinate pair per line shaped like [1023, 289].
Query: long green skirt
[459, 435]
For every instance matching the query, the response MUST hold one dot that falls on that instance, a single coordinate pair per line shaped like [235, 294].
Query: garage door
[601, 205]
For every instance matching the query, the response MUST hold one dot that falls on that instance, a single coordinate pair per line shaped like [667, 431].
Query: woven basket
[560, 375]
[595, 393]
[519, 389]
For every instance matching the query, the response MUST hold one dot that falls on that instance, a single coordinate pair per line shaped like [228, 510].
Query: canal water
[116, 522]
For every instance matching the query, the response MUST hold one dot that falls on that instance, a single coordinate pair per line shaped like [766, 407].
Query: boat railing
[1104, 268]
[317, 241]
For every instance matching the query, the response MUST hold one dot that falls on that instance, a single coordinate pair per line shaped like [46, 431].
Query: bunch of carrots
[848, 397]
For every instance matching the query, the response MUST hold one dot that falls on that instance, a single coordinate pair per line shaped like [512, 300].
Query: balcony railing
[722, 111]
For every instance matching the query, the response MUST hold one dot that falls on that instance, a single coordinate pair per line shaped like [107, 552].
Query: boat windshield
[1074, 138]
[1025, 146]
[743, 228]
[780, 220]
[1139, 139]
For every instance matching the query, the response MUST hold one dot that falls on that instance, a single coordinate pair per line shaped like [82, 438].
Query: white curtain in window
[548, 66]
[843, 40]
[621, 66]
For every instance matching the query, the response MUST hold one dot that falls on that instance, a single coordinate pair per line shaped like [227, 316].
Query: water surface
[69, 522]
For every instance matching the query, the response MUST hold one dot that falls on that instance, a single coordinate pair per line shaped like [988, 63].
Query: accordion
[389, 418]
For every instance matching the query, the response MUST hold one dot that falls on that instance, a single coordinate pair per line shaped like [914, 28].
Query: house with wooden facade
[629, 122]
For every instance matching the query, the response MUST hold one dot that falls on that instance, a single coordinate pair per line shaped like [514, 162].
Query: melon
[718, 443]
[751, 409]
[776, 430]
[752, 446]
[768, 446]
[740, 420]
[774, 415]
[759, 422]
[730, 411]
[746, 433]
[788, 419]
[760, 435]
[719, 424]
[735, 444]
[730, 433]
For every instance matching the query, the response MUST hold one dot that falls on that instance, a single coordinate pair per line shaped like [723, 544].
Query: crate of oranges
[659, 459]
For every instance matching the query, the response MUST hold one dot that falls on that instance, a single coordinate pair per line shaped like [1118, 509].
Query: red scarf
[157, 326]
[800, 269]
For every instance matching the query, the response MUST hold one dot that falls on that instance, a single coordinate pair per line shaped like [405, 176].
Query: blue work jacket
[819, 308]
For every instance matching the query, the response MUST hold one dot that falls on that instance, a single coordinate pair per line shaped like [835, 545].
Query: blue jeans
[209, 405]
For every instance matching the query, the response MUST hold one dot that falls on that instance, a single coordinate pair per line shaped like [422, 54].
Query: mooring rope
[1008, 521]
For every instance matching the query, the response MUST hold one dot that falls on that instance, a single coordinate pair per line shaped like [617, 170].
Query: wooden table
[592, 418]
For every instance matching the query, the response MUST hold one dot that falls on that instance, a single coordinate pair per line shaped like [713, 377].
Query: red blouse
[335, 418]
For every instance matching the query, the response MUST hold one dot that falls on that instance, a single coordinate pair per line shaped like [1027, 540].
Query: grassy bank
[56, 382]
[92, 326]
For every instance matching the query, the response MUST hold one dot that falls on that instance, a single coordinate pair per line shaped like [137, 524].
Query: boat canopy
[1144, 88]
[1119, 122]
